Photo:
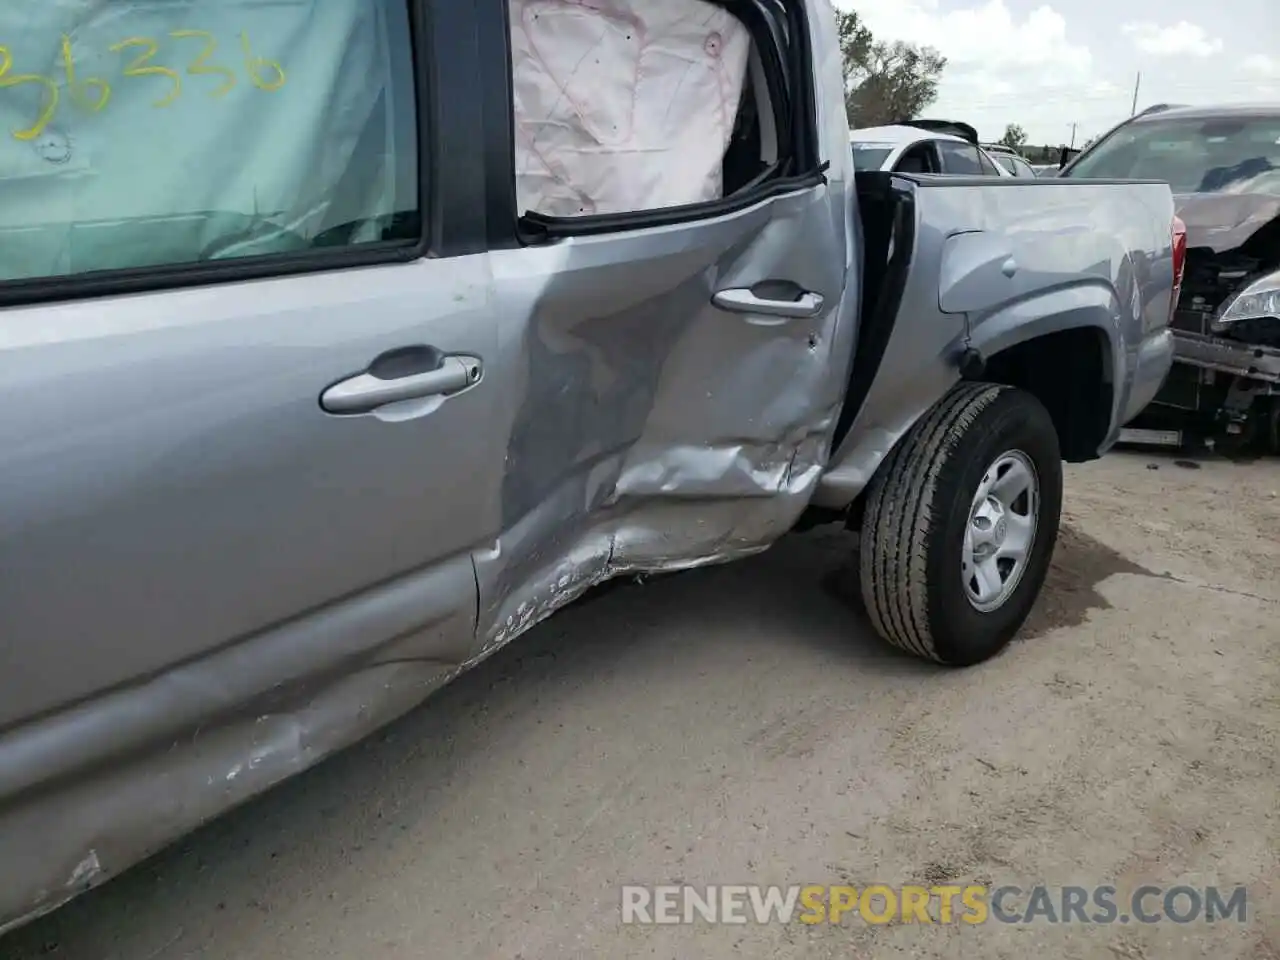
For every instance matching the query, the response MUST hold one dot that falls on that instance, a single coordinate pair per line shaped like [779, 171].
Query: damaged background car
[1223, 163]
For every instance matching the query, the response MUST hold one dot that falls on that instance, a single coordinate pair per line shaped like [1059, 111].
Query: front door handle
[771, 299]
[378, 387]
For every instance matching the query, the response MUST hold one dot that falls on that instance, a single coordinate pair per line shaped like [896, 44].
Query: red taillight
[1179, 262]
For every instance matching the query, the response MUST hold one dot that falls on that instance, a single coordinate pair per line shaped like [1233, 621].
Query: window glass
[141, 134]
[870, 156]
[988, 164]
[916, 159]
[1022, 169]
[1225, 155]
[959, 158]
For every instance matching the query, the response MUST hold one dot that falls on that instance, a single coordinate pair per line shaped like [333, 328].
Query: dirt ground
[741, 725]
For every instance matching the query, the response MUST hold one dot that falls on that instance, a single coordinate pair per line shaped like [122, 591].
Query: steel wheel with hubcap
[1001, 532]
[960, 524]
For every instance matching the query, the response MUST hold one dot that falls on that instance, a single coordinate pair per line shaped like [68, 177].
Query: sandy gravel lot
[741, 725]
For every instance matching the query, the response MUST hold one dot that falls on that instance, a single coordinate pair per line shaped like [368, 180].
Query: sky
[1047, 66]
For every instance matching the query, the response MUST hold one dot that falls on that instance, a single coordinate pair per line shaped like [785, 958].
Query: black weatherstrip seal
[537, 227]
[879, 308]
[496, 101]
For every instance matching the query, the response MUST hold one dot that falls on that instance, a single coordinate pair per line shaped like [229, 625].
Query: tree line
[1016, 139]
[890, 80]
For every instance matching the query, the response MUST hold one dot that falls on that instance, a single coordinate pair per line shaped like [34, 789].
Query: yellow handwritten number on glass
[138, 66]
[79, 88]
[255, 66]
[201, 65]
[50, 108]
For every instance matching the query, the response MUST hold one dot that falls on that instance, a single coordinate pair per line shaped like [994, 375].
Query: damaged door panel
[674, 386]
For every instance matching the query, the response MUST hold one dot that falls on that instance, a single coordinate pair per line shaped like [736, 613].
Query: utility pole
[1136, 84]
[1073, 136]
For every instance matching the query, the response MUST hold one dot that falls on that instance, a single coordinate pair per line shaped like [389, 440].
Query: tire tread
[899, 521]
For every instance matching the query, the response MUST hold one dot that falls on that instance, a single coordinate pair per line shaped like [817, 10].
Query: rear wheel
[960, 525]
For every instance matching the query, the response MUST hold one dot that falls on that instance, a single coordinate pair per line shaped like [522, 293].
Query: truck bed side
[1057, 286]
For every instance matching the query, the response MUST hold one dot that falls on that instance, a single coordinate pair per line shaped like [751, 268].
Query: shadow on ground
[1080, 564]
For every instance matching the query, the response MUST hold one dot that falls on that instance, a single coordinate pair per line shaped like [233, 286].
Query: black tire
[917, 511]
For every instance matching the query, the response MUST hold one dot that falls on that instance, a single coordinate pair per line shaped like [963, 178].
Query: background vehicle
[907, 149]
[1010, 160]
[1223, 163]
[324, 403]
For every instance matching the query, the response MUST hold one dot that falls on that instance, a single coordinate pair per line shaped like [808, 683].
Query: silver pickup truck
[341, 343]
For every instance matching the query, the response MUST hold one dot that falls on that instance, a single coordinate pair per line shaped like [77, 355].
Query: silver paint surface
[1083, 254]
[210, 584]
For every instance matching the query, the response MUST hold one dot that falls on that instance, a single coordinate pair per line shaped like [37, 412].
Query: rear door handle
[387, 381]
[771, 299]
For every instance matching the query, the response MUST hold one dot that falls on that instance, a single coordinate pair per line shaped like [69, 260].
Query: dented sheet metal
[653, 430]
[631, 426]
[60, 842]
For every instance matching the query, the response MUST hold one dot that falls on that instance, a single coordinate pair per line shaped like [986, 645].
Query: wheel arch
[1070, 371]
[1065, 348]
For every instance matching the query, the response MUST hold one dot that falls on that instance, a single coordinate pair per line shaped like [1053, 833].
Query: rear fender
[1090, 305]
[1001, 261]
[1065, 347]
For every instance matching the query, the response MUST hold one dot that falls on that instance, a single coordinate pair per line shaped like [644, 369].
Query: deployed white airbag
[623, 105]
